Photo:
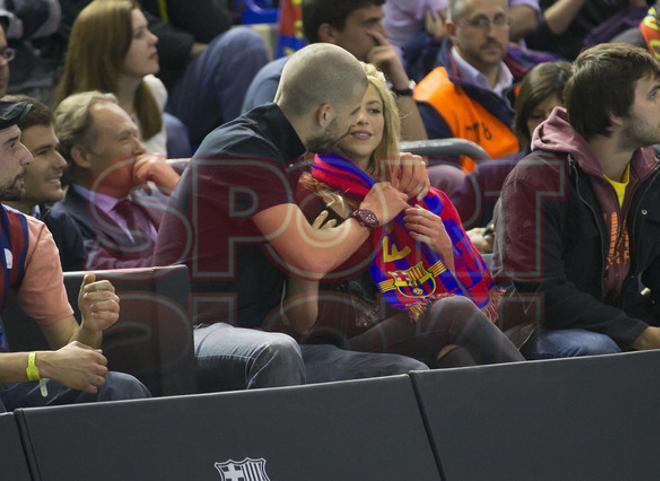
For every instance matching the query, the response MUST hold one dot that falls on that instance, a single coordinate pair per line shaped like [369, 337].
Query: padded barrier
[13, 466]
[439, 150]
[594, 418]
[369, 430]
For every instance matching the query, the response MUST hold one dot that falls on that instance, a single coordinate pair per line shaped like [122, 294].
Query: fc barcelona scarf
[409, 274]
[651, 32]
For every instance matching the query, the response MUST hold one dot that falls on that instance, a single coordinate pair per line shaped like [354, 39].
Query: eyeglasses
[482, 22]
[8, 54]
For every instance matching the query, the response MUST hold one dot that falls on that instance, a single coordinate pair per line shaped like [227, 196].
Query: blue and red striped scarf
[409, 274]
[650, 29]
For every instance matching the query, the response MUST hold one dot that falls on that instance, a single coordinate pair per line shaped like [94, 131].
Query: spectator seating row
[568, 419]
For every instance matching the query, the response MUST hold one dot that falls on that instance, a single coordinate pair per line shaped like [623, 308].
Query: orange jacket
[466, 118]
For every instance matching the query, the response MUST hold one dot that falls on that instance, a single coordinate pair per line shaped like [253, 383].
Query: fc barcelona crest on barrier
[247, 470]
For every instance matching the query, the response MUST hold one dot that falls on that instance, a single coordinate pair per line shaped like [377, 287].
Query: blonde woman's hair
[99, 41]
[388, 148]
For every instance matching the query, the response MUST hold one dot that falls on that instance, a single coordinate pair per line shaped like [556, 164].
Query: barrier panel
[582, 419]
[13, 466]
[357, 430]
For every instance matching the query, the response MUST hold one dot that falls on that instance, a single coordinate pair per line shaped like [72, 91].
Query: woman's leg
[454, 320]
[461, 322]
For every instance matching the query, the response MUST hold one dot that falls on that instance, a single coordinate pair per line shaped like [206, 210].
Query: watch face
[366, 218]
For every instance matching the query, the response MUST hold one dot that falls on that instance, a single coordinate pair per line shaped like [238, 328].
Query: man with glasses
[466, 97]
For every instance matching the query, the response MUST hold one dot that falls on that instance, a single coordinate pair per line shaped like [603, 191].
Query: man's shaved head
[319, 73]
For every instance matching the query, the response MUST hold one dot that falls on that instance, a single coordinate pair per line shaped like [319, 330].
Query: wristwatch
[366, 217]
[407, 92]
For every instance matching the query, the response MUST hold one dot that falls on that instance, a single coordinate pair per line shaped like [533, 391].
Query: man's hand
[385, 201]
[75, 365]
[385, 57]
[424, 226]
[153, 167]
[98, 304]
[648, 339]
[409, 175]
[434, 24]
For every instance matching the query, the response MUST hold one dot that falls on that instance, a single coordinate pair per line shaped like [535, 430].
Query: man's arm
[523, 21]
[561, 14]
[312, 253]
[75, 366]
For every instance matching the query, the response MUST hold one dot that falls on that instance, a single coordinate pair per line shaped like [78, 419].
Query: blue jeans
[213, 86]
[230, 358]
[117, 386]
[551, 344]
[178, 142]
[327, 363]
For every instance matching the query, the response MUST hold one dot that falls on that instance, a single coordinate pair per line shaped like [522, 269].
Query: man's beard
[639, 133]
[13, 191]
[327, 141]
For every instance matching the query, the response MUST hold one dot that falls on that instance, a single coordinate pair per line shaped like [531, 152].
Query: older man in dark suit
[118, 190]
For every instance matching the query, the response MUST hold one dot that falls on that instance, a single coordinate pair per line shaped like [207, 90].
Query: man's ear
[327, 33]
[615, 122]
[324, 115]
[80, 157]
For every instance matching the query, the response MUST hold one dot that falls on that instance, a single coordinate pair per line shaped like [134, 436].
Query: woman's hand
[424, 226]
[408, 175]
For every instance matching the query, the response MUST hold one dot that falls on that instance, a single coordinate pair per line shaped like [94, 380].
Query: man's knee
[279, 359]
[120, 386]
[570, 343]
[282, 347]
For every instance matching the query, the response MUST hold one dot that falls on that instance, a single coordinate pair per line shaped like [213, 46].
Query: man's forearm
[87, 336]
[12, 367]
[328, 249]
[412, 126]
[561, 14]
[523, 21]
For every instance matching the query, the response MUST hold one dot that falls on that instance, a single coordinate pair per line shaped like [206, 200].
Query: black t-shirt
[240, 169]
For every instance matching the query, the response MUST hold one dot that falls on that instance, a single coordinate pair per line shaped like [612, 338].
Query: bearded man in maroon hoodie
[578, 226]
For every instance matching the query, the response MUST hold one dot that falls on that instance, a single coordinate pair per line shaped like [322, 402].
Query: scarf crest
[651, 32]
[409, 274]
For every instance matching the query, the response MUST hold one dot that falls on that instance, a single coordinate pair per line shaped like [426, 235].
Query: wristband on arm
[33, 374]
